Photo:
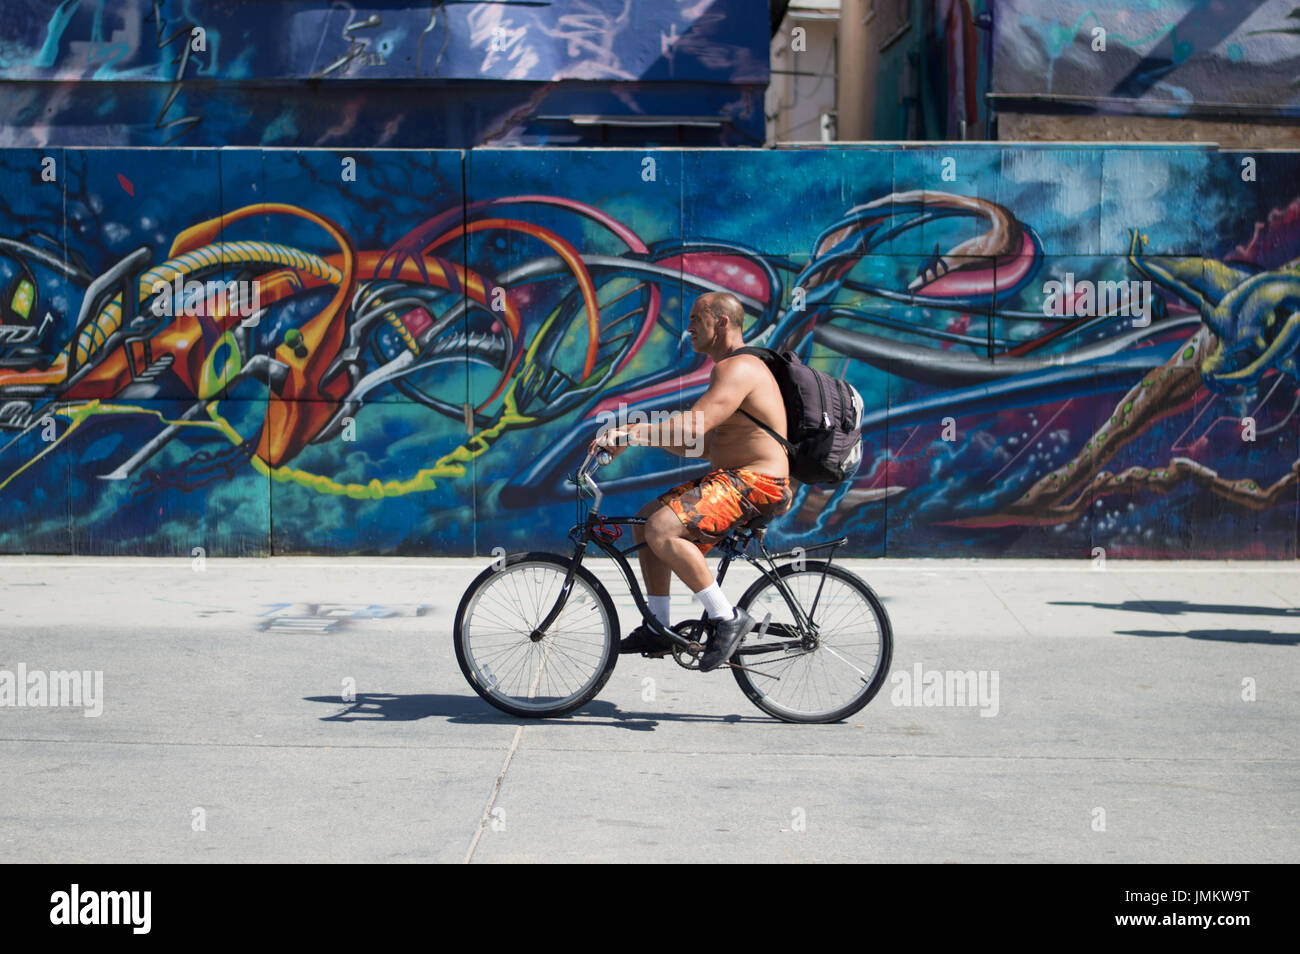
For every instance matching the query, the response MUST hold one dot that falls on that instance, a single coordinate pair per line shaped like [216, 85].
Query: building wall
[1172, 58]
[803, 84]
[423, 369]
[1097, 127]
[1168, 70]
[1173, 70]
[929, 67]
[398, 73]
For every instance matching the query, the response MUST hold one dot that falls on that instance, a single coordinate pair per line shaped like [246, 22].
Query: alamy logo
[950, 687]
[209, 299]
[57, 689]
[664, 428]
[102, 907]
[1087, 299]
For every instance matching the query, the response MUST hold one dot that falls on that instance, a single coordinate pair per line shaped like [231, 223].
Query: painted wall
[436, 335]
[397, 73]
[1234, 60]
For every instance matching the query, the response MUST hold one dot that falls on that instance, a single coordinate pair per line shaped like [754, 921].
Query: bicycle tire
[472, 639]
[831, 607]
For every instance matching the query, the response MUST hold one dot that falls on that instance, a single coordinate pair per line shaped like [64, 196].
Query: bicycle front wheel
[824, 676]
[514, 668]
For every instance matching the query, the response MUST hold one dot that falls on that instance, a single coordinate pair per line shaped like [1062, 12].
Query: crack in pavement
[496, 790]
[999, 598]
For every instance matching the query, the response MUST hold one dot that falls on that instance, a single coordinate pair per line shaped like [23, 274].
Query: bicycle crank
[688, 657]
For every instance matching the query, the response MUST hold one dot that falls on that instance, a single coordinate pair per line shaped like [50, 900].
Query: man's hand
[612, 441]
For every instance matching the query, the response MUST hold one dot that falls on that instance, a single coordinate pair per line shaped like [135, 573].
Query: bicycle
[537, 635]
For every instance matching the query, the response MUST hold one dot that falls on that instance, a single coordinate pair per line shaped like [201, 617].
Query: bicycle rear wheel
[527, 675]
[827, 678]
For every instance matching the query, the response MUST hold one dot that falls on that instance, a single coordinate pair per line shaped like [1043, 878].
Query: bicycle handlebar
[584, 478]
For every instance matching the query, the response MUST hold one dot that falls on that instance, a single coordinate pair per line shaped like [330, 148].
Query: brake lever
[579, 477]
[583, 479]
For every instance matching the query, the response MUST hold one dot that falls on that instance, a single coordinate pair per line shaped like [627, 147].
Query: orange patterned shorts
[722, 499]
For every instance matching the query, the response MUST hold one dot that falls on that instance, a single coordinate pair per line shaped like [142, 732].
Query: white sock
[659, 608]
[715, 604]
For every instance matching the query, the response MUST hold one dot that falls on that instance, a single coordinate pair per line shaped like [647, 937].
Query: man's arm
[683, 434]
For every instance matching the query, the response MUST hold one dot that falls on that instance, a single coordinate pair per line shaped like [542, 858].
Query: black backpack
[823, 418]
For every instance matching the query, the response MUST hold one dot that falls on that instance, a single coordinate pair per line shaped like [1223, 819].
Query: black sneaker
[646, 641]
[727, 634]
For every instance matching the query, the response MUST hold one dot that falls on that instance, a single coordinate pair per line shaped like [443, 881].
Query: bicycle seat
[753, 526]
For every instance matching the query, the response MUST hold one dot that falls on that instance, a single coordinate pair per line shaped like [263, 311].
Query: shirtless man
[749, 477]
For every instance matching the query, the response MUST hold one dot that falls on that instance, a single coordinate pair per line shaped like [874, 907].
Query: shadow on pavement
[471, 710]
[1177, 607]
[1225, 635]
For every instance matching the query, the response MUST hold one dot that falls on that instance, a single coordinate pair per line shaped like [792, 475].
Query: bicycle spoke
[543, 675]
[841, 670]
[846, 662]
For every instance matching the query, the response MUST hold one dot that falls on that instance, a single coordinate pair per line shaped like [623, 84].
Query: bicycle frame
[735, 544]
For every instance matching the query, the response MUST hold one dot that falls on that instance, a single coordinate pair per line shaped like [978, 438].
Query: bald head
[715, 326]
[724, 305]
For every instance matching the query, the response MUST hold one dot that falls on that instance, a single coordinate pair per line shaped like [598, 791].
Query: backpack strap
[767, 356]
[789, 448]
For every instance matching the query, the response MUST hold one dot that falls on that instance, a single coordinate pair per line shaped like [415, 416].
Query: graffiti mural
[410, 73]
[230, 352]
[1164, 57]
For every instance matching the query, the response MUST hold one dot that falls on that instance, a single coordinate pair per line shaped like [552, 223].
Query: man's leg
[671, 543]
[669, 551]
[655, 574]
[709, 508]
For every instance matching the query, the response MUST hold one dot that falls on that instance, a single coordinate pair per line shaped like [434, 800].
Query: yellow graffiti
[449, 465]
[403, 332]
[211, 381]
[77, 414]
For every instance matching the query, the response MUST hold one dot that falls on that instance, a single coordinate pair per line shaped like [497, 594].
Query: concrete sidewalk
[1146, 712]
